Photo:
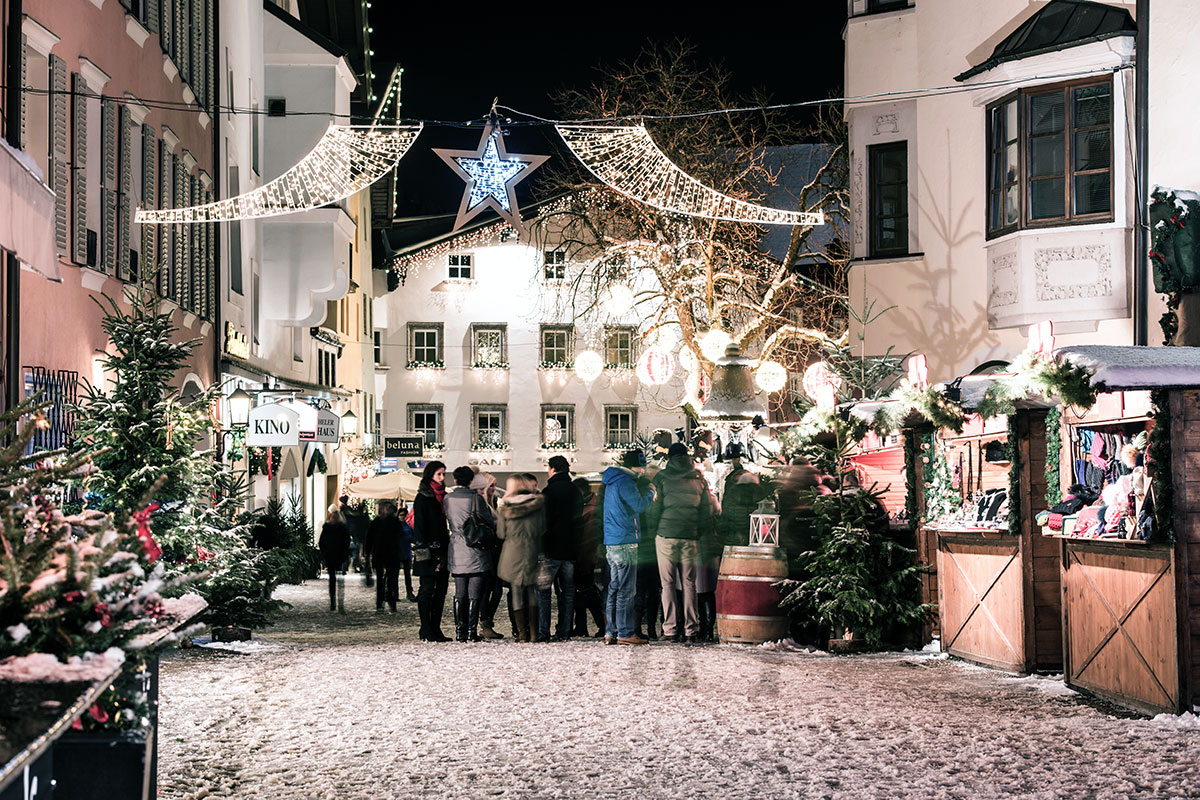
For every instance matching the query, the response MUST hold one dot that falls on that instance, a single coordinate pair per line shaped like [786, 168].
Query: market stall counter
[998, 583]
[1130, 554]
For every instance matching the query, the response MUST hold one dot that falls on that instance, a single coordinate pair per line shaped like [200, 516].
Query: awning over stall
[398, 485]
[1126, 367]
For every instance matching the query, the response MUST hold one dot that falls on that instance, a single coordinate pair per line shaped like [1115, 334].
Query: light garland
[628, 161]
[588, 365]
[713, 344]
[821, 384]
[346, 160]
[655, 367]
[770, 376]
[617, 299]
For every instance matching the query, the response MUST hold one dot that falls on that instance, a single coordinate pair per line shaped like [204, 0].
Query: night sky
[455, 64]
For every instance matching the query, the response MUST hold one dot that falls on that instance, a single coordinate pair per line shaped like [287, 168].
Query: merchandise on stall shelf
[1108, 500]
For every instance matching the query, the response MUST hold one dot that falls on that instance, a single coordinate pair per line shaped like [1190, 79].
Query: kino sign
[273, 425]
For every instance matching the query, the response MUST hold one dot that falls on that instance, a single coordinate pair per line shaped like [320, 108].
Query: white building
[1011, 196]
[475, 352]
[296, 288]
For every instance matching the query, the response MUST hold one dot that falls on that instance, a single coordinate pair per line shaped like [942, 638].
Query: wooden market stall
[998, 583]
[1131, 608]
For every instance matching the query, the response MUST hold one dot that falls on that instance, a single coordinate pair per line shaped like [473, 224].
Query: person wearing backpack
[471, 551]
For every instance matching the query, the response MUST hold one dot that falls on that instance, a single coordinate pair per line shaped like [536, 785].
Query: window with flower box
[426, 419]
[488, 428]
[619, 347]
[620, 422]
[489, 345]
[557, 346]
[1050, 159]
[425, 345]
[558, 427]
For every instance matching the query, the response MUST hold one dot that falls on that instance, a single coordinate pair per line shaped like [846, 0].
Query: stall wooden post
[926, 540]
[1185, 469]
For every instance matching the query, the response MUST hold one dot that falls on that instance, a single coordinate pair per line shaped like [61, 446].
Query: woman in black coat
[335, 549]
[431, 540]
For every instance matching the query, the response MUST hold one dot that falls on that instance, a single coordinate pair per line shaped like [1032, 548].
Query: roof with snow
[1125, 367]
[1058, 25]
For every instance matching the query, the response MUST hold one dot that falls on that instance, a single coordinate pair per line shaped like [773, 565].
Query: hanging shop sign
[403, 446]
[329, 427]
[273, 425]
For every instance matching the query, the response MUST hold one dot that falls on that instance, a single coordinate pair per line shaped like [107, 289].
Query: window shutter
[178, 239]
[168, 26]
[60, 175]
[198, 48]
[21, 137]
[124, 190]
[163, 265]
[193, 262]
[152, 16]
[108, 184]
[79, 169]
[183, 39]
[149, 192]
[210, 265]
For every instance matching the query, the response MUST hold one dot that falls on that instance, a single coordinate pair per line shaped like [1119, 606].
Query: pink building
[117, 111]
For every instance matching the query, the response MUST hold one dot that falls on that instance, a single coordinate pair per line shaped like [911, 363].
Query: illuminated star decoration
[491, 175]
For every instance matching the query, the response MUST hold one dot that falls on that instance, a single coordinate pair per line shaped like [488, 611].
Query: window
[488, 431]
[1050, 157]
[458, 265]
[489, 346]
[879, 6]
[235, 237]
[378, 348]
[618, 347]
[425, 345]
[889, 198]
[557, 345]
[558, 426]
[554, 265]
[619, 424]
[298, 344]
[426, 419]
[326, 366]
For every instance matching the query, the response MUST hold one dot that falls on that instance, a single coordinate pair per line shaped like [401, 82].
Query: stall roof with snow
[1127, 367]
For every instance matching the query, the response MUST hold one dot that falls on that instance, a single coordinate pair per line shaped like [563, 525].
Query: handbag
[479, 532]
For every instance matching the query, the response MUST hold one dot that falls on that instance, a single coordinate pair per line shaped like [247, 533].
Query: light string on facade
[346, 160]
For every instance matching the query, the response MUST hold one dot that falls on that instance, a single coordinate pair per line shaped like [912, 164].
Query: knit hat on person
[677, 449]
[559, 464]
[633, 458]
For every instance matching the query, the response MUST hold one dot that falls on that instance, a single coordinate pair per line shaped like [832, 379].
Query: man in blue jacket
[623, 501]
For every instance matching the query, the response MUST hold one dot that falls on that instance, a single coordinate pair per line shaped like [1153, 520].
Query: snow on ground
[354, 707]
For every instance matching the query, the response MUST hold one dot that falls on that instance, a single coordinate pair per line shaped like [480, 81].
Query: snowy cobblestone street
[354, 706]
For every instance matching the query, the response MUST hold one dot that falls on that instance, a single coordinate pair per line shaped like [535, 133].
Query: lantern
[617, 299]
[655, 367]
[588, 365]
[764, 524]
[713, 344]
[770, 376]
[349, 424]
[239, 408]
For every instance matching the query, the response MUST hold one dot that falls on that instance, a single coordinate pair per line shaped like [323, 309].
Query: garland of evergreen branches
[1053, 457]
[1013, 452]
[1034, 375]
[911, 454]
[1159, 452]
[928, 402]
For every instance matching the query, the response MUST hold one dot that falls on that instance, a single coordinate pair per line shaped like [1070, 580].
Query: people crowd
[633, 553]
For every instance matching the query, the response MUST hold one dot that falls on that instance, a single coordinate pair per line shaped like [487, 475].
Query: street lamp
[239, 408]
[349, 424]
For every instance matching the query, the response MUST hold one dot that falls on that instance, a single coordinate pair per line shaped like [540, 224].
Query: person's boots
[437, 610]
[596, 606]
[460, 619]
[487, 630]
[473, 621]
[423, 613]
[520, 624]
[531, 622]
[580, 628]
[512, 619]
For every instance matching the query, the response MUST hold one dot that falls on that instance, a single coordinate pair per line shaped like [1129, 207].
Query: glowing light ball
[821, 385]
[713, 344]
[588, 365]
[770, 376]
[617, 299]
[655, 367]
[704, 391]
[664, 337]
[554, 431]
[687, 359]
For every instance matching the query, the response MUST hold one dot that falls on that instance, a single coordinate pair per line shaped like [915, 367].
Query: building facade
[994, 181]
[476, 351]
[117, 112]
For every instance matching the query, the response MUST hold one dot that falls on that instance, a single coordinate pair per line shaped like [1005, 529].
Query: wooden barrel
[747, 603]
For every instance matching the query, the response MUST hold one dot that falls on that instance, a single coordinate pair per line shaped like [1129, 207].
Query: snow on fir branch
[553, 365]
[435, 364]
[558, 446]
[490, 364]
